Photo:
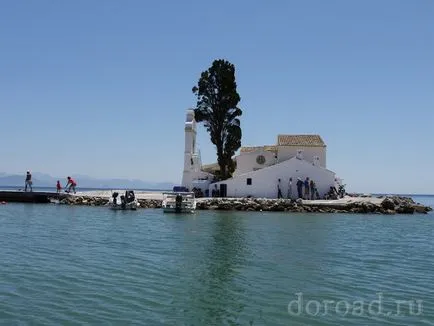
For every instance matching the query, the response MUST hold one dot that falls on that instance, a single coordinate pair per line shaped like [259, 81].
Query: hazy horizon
[77, 176]
[44, 180]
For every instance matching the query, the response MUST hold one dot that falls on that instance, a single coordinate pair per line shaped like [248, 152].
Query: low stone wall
[388, 205]
[104, 201]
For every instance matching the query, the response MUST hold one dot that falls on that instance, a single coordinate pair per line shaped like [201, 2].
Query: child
[58, 187]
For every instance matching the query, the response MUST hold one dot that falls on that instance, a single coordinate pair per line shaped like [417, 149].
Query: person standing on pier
[28, 181]
[312, 189]
[299, 188]
[306, 188]
[290, 188]
[72, 184]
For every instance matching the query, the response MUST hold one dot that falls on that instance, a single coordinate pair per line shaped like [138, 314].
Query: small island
[363, 204]
[290, 175]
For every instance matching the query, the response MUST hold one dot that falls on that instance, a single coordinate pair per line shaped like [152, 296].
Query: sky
[101, 88]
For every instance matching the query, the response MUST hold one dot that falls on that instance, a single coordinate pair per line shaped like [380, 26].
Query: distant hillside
[45, 180]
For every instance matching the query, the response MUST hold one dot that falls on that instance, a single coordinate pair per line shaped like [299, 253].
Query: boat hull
[179, 202]
[127, 207]
[178, 211]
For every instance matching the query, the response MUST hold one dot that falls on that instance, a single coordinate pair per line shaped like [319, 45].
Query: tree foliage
[217, 100]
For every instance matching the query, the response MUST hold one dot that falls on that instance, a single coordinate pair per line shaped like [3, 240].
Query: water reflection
[216, 294]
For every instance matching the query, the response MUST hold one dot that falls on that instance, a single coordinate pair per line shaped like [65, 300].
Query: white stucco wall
[286, 152]
[264, 181]
[201, 184]
[246, 162]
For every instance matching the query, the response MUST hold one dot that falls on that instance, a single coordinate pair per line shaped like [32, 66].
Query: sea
[74, 265]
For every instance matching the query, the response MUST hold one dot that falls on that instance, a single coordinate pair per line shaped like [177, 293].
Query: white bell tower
[191, 158]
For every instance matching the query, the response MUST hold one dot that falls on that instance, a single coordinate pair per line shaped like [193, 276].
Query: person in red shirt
[72, 184]
[58, 187]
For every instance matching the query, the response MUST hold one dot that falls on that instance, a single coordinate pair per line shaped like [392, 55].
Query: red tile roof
[300, 140]
[248, 149]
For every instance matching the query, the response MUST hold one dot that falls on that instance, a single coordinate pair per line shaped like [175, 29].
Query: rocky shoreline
[373, 205]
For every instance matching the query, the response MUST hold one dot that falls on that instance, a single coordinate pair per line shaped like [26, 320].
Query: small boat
[179, 202]
[127, 201]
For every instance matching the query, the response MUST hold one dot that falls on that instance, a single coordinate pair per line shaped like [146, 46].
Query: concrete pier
[16, 196]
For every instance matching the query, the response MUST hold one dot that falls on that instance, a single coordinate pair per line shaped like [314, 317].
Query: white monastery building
[261, 170]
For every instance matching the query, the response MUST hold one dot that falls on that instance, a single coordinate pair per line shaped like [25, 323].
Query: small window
[249, 181]
[260, 159]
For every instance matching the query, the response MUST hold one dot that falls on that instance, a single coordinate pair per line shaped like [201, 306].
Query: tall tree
[217, 100]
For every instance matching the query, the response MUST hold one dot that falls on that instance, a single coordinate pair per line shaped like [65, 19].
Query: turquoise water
[64, 265]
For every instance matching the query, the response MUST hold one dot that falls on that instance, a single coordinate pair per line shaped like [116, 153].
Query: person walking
[279, 191]
[72, 184]
[28, 181]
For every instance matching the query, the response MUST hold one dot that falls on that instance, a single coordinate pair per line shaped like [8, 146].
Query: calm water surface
[91, 266]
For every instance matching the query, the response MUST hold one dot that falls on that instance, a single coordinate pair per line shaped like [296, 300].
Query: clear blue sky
[101, 87]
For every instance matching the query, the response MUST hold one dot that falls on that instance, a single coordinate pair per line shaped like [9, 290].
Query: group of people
[198, 192]
[310, 190]
[70, 185]
[334, 193]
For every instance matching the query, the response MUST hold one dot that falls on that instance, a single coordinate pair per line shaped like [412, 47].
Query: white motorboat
[179, 202]
[127, 201]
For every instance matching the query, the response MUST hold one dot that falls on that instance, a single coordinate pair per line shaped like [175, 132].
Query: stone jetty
[349, 204]
[104, 201]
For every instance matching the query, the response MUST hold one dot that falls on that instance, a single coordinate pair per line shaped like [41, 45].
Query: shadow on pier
[42, 197]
